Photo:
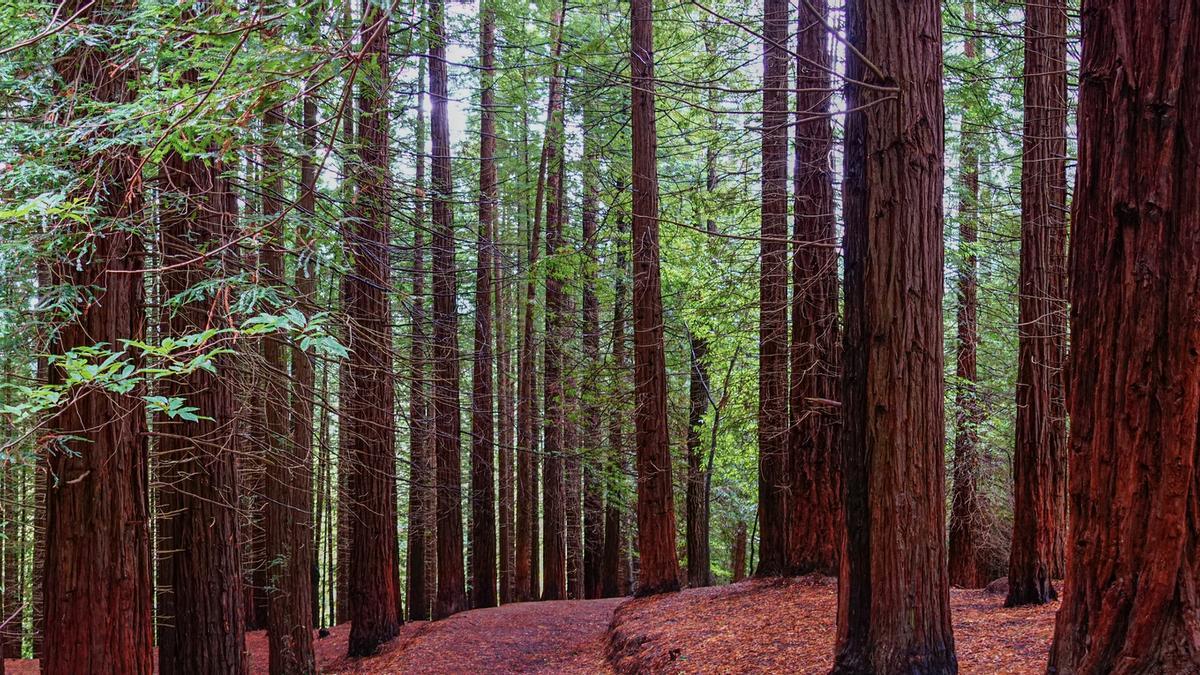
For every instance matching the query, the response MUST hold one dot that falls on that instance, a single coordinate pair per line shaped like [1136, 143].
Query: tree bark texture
[421, 496]
[483, 494]
[1040, 454]
[699, 572]
[773, 310]
[893, 599]
[813, 459]
[451, 593]
[97, 571]
[659, 572]
[1131, 604]
[593, 465]
[611, 561]
[372, 587]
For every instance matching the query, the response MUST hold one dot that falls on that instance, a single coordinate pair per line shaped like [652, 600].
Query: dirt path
[531, 637]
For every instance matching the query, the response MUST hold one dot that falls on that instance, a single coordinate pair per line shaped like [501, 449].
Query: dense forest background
[291, 272]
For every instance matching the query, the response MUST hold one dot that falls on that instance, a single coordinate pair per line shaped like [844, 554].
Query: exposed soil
[789, 626]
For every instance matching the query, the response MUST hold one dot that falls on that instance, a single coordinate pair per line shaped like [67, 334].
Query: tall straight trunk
[288, 478]
[659, 572]
[97, 572]
[506, 481]
[967, 568]
[421, 494]
[554, 579]
[1130, 603]
[200, 536]
[483, 496]
[698, 567]
[451, 591]
[345, 523]
[738, 555]
[1040, 455]
[527, 436]
[813, 459]
[372, 587]
[593, 468]
[611, 568]
[893, 599]
[573, 492]
[772, 331]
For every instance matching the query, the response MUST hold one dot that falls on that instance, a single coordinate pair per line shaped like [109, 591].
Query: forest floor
[789, 625]
[765, 626]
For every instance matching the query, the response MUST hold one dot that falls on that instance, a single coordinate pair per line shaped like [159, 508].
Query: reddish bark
[372, 585]
[659, 572]
[288, 477]
[14, 546]
[611, 565]
[893, 599]
[421, 495]
[813, 476]
[451, 591]
[506, 480]
[593, 466]
[1130, 604]
[699, 571]
[483, 496]
[737, 562]
[199, 539]
[1040, 452]
[554, 580]
[772, 331]
[97, 571]
[967, 567]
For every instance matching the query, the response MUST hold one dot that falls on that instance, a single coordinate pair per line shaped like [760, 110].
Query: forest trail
[531, 637]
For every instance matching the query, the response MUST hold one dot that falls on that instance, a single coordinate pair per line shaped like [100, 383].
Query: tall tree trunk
[288, 478]
[451, 591]
[698, 567]
[659, 571]
[893, 599]
[483, 496]
[772, 331]
[201, 539]
[345, 520]
[372, 588]
[967, 568]
[421, 496]
[1040, 453]
[554, 580]
[97, 572]
[593, 468]
[611, 568]
[527, 424]
[1130, 604]
[813, 458]
[506, 481]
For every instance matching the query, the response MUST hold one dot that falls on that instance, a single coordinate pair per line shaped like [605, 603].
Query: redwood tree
[1130, 603]
[1040, 452]
[772, 327]
[421, 499]
[483, 495]
[813, 464]
[698, 552]
[611, 562]
[659, 571]
[967, 568]
[554, 563]
[97, 570]
[451, 591]
[372, 586]
[893, 596]
[199, 531]
[593, 467]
